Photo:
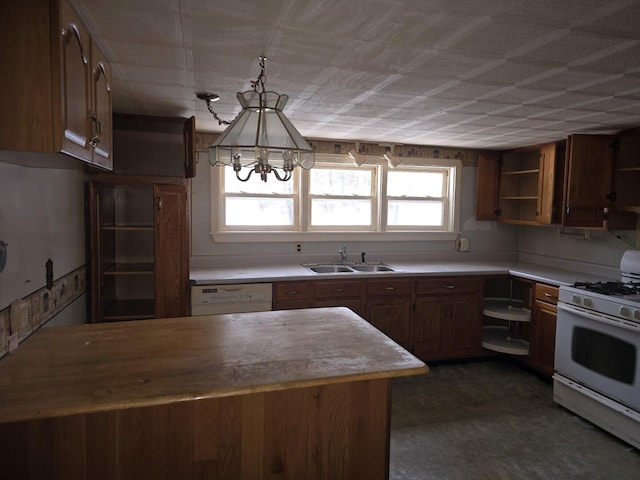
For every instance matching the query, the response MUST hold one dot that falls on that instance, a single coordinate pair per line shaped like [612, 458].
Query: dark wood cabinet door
[429, 341]
[171, 251]
[392, 316]
[543, 341]
[488, 186]
[101, 123]
[464, 325]
[76, 89]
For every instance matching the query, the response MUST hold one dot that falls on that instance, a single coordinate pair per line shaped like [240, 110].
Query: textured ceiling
[465, 73]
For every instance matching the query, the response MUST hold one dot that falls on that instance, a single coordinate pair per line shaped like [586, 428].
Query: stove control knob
[587, 302]
[577, 299]
[625, 312]
[636, 315]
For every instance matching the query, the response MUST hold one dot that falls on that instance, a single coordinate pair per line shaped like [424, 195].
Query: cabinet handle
[548, 295]
[338, 290]
[293, 292]
[72, 29]
[389, 288]
[449, 286]
[97, 130]
[159, 203]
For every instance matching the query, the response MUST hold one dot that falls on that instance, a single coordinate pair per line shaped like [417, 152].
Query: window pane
[326, 212]
[254, 184]
[414, 213]
[342, 182]
[257, 211]
[415, 184]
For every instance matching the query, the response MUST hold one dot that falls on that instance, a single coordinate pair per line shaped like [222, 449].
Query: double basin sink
[348, 267]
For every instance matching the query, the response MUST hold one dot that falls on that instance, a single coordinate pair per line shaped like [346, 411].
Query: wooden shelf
[128, 227]
[129, 310]
[500, 308]
[528, 197]
[522, 172]
[130, 269]
[496, 338]
[629, 169]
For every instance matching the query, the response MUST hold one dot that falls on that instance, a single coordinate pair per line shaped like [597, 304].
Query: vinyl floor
[494, 420]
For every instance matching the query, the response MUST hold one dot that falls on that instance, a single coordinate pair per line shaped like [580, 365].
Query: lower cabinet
[389, 308]
[447, 318]
[542, 339]
[434, 318]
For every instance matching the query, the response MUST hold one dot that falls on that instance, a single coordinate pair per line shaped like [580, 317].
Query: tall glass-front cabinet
[139, 247]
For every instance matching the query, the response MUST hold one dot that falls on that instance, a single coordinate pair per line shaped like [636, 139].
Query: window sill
[253, 237]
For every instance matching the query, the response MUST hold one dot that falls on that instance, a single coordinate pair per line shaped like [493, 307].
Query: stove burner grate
[610, 288]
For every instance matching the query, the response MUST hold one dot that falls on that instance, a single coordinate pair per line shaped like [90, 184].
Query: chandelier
[261, 136]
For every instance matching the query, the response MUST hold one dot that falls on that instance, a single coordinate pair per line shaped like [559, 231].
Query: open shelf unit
[506, 317]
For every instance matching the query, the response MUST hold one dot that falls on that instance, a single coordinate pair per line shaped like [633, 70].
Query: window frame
[302, 232]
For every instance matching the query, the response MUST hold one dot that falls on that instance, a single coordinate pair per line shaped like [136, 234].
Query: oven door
[600, 352]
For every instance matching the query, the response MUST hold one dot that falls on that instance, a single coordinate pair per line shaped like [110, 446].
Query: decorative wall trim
[468, 157]
[41, 306]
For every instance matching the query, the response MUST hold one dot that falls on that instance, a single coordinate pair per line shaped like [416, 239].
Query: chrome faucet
[343, 254]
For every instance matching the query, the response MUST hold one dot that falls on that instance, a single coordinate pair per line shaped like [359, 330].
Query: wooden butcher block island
[296, 394]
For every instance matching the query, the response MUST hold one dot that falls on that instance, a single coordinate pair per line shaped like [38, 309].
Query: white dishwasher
[232, 298]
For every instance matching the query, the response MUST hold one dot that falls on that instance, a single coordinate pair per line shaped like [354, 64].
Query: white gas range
[597, 357]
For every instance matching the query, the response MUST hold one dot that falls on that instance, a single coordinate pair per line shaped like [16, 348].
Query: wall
[602, 248]
[484, 237]
[42, 217]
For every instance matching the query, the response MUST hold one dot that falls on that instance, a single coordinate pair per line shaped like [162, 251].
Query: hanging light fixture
[261, 136]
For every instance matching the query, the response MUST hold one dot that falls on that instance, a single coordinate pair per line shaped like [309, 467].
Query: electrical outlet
[298, 248]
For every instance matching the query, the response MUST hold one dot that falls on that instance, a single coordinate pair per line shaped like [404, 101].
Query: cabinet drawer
[400, 286]
[292, 291]
[337, 289]
[448, 285]
[546, 293]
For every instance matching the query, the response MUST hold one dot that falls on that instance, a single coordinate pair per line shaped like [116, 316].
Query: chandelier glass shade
[262, 137]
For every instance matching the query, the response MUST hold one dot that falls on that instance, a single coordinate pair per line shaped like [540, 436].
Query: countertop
[289, 271]
[98, 367]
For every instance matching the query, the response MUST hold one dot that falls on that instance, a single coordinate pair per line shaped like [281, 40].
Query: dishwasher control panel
[230, 294]
[233, 298]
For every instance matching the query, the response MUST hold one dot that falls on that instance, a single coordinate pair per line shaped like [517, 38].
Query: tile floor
[494, 420]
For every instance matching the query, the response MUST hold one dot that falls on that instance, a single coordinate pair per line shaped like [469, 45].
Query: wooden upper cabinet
[589, 171]
[150, 145]
[626, 174]
[518, 186]
[488, 186]
[57, 98]
[588, 185]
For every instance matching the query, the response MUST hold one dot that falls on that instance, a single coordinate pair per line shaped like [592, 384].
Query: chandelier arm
[246, 178]
[284, 178]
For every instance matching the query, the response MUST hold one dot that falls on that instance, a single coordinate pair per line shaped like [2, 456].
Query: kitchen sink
[349, 268]
[329, 268]
[372, 268]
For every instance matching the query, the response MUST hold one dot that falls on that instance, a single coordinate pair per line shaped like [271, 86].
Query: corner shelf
[504, 338]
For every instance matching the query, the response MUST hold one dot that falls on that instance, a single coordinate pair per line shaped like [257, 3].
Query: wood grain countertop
[98, 367]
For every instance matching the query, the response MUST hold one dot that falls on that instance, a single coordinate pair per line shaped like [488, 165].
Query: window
[337, 200]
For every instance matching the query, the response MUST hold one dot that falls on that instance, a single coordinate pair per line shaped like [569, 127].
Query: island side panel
[334, 431]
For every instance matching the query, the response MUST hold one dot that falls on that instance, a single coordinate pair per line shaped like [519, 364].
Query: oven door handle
[598, 318]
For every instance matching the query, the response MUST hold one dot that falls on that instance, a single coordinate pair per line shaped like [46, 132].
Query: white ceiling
[465, 73]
